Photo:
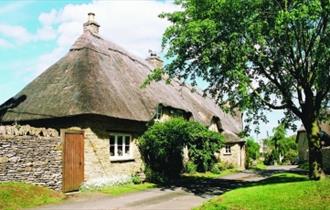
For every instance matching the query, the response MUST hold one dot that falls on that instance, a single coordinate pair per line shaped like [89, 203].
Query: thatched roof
[99, 77]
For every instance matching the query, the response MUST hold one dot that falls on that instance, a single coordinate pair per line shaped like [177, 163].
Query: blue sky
[35, 34]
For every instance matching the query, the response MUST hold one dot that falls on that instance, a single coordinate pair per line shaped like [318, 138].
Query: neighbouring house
[92, 96]
[302, 142]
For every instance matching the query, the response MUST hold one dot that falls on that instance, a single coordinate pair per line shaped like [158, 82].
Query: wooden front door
[73, 161]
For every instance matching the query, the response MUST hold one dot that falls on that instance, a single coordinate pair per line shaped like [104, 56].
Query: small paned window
[120, 146]
[228, 149]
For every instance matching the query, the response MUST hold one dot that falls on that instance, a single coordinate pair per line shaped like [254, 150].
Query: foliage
[17, 195]
[208, 175]
[260, 166]
[215, 169]
[191, 167]
[257, 55]
[298, 194]
[162, 146]
[252, 151]
[281, 149]
[136, 179]
[121, 189]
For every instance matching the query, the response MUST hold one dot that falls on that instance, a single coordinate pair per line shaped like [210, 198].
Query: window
[120, 147]
[228, 149]
[159, 112]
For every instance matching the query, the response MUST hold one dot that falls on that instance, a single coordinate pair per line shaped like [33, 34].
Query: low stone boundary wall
[326, 159]
[31, 155]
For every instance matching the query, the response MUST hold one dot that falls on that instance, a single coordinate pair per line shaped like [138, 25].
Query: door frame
[71, 131]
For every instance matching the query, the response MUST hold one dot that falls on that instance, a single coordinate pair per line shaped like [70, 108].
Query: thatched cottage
[93, 96]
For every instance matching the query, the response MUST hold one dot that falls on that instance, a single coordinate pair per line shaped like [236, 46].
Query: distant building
[302, 141]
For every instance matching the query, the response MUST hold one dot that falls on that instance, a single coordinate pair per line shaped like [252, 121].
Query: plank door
[73, 161]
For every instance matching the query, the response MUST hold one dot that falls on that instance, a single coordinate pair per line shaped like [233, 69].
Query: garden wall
[326, 159]
[31, 155]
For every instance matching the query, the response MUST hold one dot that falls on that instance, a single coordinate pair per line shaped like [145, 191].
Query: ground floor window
[228, 149]
[120, 146]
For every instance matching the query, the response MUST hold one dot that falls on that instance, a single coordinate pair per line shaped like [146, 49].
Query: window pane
[112, 140]
[120, 145]
[112, 145]
[127, 145]
[112, 150]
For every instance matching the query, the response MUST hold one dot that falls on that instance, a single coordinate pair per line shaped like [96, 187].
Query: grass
[260, 166]
[18, 195]
[281, 191]
[122, 189]
[210, 175]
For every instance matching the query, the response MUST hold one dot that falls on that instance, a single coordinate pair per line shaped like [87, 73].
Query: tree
[256, 55]
[252, 150]
[281, 148]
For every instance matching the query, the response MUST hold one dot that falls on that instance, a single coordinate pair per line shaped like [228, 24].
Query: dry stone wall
[31, 155]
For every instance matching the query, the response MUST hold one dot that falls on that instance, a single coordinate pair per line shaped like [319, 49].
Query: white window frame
[227, 149]
[125, 156]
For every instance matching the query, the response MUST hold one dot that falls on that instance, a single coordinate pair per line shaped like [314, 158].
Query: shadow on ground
[207, 187]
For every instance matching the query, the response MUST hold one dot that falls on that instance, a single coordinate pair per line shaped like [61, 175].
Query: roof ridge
[117, 49]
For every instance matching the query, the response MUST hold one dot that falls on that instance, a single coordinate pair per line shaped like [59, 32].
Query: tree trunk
[315, 156]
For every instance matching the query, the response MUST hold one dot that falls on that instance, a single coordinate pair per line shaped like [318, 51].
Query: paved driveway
[180, 196]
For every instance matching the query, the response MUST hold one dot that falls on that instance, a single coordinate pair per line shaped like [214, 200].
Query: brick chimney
[91, 25]
[154, 59]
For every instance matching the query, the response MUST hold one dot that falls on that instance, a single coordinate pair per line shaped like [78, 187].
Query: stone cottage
[93, 97]
[302, 141]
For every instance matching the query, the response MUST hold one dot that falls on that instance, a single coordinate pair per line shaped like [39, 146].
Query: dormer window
[159, 112]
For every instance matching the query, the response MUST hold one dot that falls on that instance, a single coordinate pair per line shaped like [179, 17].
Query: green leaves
[255, 54]
[162, 147]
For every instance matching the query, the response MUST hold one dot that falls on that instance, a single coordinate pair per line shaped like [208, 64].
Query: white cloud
[13, 6]
[46, 33]
[133, 24]
[48, 18]
[18, 33]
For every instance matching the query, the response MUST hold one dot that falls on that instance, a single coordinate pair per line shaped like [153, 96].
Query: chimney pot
[154, 59]
[91, 25]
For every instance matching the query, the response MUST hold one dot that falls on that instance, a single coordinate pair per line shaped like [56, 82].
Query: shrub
[225, 165]
[252, 151]
[162, 146]
[215, 169]
[191, 167]
[136, 179]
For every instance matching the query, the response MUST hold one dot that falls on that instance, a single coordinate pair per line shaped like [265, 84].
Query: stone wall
[97, 157]
[302, 146]
[31, 155]
[326, 159]
[236, 157]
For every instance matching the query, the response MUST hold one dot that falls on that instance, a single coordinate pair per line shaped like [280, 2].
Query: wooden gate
[73, 161]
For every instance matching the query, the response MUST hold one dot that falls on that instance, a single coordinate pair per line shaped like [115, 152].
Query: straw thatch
[99, 77]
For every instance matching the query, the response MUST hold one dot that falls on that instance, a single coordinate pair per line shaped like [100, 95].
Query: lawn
[122, 189]
[18, 195]
[281, 191]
